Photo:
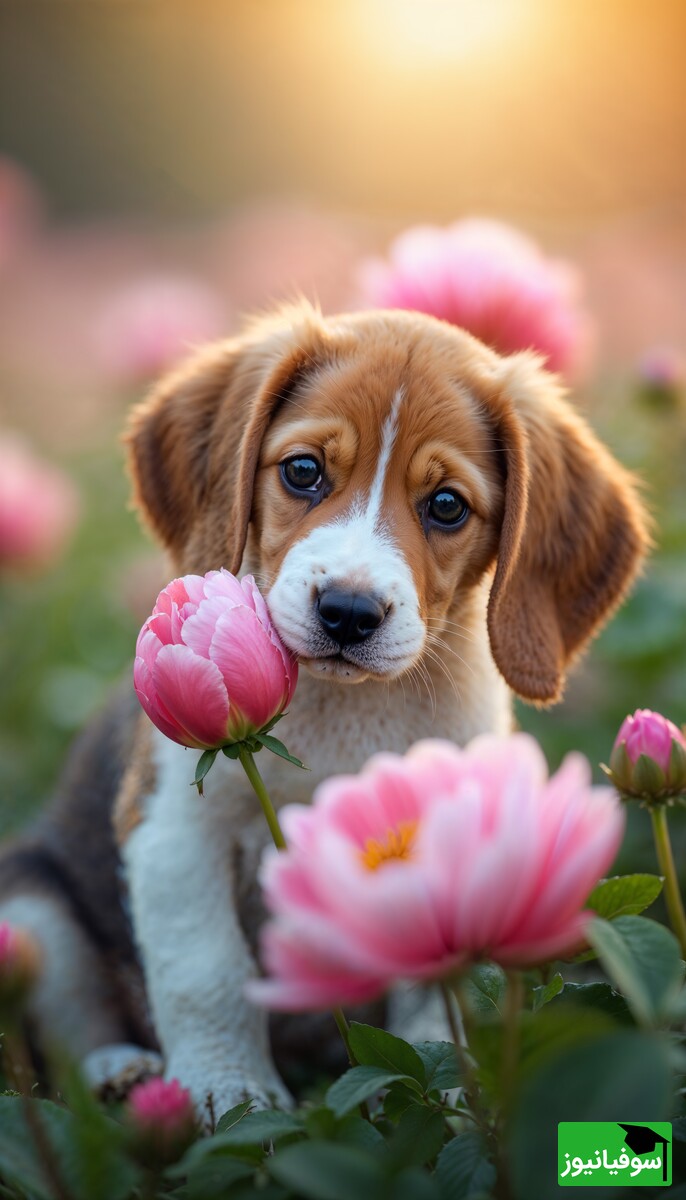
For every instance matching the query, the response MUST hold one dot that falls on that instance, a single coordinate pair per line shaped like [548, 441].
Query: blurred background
[169, 165]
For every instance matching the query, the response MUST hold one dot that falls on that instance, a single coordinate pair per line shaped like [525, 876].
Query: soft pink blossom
[149, 325]
[419, 866]
[20, 960]
[20, 209]
[491, 280]
[38, 507]
[662, 367]
[210, 667]
[161, 1120]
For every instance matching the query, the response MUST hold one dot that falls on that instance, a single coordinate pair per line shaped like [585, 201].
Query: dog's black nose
[348, 617]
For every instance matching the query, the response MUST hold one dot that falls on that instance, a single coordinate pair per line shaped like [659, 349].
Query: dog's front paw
[214, 1092]
[111, 1071]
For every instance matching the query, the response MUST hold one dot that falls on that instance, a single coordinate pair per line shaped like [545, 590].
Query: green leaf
[397, 1100]
[599, 996]
[546, 993]
[277, 747]
[358, 1084]
[374, 1047]
[414, 1184]
[485, 987]
[88, 1151]
[211, 1177]
[590, 1079]
[233, 751]
[643, 960]
[441, 1064]
[255, 1128]
[204, 763]
[624, 895]
[647, 776]
[464, 1168]
[418, 1136]
[230, 1118]
[326, 1171]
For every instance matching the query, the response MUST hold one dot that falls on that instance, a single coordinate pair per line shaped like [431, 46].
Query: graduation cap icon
[641, 1139]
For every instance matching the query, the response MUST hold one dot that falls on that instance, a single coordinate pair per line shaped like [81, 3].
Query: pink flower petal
[193, 692]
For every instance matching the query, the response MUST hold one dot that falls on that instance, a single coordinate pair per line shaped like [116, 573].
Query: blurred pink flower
[161, 1120]
[20, 960]
[491, 280]
[419, 866]
[151, 324]
[38, 507]
[649, 756]
[662, 367]
[210, 666]
[19, 208]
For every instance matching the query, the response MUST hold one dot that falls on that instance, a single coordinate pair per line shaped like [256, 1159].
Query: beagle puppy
[434, 528]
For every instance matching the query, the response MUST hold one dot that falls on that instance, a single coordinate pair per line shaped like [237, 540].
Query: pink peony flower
[491, 280]
[38, 507]
[420, 866]
[210, 667]
[150, 324]
[649, 757]
[20, 959]
[161, 1120]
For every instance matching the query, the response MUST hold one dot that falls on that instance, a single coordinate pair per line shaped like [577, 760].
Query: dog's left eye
[302, 473]
[447, 508]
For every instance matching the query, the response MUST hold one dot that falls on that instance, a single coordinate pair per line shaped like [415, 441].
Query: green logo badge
[609, 1154]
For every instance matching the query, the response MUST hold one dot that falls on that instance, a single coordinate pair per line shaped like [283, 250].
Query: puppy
[434, 528]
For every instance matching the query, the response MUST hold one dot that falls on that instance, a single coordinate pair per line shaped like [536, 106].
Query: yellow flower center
[396, 844]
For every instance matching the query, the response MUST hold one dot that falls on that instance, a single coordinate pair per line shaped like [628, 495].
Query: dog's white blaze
[388, 436]
[354, 551]
[179, 869]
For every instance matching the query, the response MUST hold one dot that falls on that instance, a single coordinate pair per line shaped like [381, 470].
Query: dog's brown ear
[573, 537]
[200, 430]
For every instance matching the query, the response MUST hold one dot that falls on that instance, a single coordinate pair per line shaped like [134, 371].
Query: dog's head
[379, 466]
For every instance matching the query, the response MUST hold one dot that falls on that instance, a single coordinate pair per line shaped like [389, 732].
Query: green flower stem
[514, 998]
[663, 846]
[250, 767]
[470, 1090]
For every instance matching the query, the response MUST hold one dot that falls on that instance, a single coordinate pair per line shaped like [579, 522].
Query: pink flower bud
[648, 760]
[210, 667]
[161, 1121]
[20, 960]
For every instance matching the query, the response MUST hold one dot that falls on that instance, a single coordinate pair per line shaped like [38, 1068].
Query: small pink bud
[20, 960]
[161, 1121]
[210, 667]
[648, 760]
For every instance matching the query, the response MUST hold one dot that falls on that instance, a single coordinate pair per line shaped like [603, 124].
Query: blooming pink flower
[421, 865]
[491, 280]
[38, 507]
[20, 960]
[649, 757]
[210, 667]
[161, 1119]
[150, 324]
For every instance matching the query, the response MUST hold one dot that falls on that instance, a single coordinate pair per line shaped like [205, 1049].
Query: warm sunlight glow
[424, 31]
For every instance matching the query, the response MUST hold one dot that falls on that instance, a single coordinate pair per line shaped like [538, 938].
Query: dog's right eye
[302, 473]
